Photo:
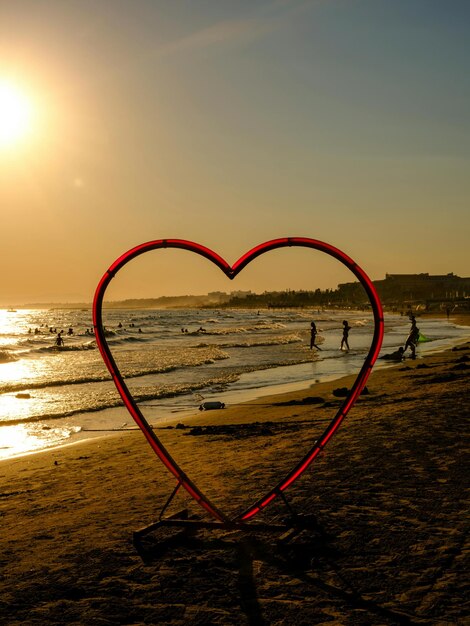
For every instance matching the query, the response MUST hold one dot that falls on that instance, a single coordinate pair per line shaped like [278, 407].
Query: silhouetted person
[412, 338]
[344, 340]
[313, 336]
[395, 356]
[59, 340]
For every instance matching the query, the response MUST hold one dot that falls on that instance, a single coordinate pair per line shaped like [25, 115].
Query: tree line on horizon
[395, 291]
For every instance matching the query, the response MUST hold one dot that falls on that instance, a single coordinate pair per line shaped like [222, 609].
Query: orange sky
[230, 124]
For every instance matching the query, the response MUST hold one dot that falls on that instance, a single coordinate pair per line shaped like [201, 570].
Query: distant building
[423, 287]
[400, 288]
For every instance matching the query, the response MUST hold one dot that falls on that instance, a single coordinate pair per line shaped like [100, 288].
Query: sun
[16, 113]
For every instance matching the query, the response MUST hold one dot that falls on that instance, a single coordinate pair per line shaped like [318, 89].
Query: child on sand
[394, 356]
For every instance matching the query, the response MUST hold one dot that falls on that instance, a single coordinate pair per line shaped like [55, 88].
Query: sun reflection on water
[21, 439]
[17, 440]
[15, 370]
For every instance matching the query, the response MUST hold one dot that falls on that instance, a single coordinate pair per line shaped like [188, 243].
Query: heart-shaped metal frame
[231, 272]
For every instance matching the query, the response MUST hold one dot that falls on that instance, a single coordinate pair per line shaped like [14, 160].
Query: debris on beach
[210, 406]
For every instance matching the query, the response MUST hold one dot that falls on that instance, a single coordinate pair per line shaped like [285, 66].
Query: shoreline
[231, 398]
[280, 394]
[238, 396]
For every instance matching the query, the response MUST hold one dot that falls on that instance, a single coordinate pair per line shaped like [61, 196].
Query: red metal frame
[231, 272]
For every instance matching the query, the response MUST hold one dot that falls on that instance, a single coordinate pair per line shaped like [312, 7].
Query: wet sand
[389, 498]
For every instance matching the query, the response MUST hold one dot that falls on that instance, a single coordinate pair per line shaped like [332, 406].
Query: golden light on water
[21, 439]
[8, 322]
[17, 438]
[16, 370]
[16, 114]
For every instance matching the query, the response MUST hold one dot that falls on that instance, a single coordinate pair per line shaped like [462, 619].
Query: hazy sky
[231, 123]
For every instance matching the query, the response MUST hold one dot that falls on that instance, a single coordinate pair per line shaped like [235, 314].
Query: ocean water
[172, 360]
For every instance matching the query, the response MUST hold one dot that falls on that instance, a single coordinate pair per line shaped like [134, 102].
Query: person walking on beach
[344, 340]
[313, 336]
[412, 338]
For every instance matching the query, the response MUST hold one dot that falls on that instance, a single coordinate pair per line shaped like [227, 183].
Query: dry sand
[389, 495]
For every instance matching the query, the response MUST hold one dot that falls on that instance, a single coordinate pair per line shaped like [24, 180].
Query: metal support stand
[297, 522]
[291, 526]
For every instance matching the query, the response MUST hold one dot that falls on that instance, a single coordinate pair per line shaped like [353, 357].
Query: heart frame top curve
[231, 272]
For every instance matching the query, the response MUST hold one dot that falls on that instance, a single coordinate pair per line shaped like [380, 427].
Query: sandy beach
[389, 497]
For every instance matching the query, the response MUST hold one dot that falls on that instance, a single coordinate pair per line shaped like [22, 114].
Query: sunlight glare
[16, 114]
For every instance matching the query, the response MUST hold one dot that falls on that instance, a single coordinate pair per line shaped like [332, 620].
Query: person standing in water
[412, 338]
[344, 340]
[313, 336]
